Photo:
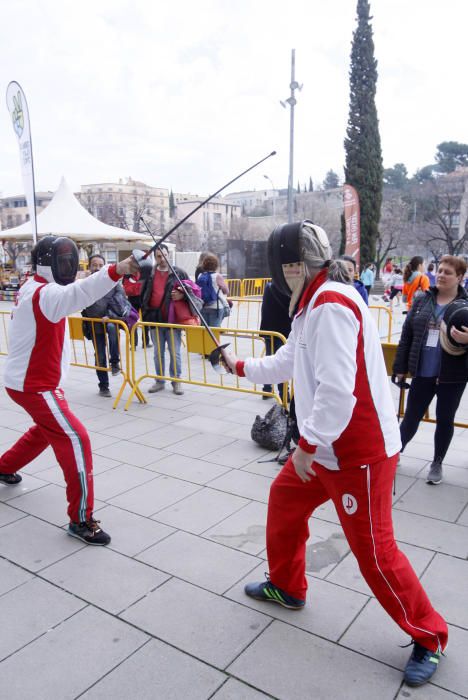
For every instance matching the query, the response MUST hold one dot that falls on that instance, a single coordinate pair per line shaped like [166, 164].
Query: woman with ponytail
[415, 282]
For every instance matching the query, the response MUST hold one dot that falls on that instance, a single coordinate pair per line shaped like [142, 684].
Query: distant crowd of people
[167, 295]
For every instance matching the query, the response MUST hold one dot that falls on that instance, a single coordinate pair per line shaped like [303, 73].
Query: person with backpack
[214, 292]
[415, 282]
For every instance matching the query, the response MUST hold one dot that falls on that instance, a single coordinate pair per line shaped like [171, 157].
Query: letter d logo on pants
[349, 503]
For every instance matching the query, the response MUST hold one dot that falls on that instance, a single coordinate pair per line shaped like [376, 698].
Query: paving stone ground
[161, 613]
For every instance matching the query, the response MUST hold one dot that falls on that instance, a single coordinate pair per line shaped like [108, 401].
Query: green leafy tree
[298, 188]
[396, 177]
[311, 185]
[425, 174]
[363, 167]
[451, 154]
[331, 181]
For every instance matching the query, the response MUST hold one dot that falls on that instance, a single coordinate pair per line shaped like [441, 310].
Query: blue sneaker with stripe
[268, 592]
[422, 665]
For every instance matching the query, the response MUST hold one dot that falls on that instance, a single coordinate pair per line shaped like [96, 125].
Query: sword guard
[217, 362]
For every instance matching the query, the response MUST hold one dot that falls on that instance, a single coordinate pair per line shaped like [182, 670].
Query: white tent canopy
[65, 216]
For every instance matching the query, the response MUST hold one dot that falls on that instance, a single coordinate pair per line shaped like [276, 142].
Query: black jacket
[159, 315]
[114, 304]
[413, 336]
[275, 311]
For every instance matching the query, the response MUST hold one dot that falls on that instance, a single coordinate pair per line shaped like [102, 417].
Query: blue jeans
[214, 316]
[172, 338]
[101, 352]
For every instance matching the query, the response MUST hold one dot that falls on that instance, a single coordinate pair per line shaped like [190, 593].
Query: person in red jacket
[36, 367]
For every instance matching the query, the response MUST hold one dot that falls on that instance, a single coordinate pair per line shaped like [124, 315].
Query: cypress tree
[172, 206]
[364, 168]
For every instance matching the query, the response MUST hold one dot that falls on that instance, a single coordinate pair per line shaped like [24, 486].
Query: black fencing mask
[455, 316]
[283, 249]
[294, 251]
[56, 259]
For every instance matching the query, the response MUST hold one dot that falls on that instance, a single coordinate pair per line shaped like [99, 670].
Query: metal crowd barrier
[245, 313]
[234, 286]
[387, 314]
[196, 368]
[389, 352]
[248, 287]
[254, 287]
[194, 353]
[83, 356]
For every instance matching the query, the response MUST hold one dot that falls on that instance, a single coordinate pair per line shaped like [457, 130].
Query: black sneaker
[434, 475]
[421, 666]
[11, 479]
[268, 592]
[104, 391]
[89, 532]
[115, 369]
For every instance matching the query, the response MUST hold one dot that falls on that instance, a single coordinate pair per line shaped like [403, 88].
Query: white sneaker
[157, 386]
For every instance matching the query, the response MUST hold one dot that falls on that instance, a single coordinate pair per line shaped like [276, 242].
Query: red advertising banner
[352, 223]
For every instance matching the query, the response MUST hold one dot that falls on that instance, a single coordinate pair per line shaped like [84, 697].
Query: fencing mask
[56, 259]
[294, 250]
[455, 315]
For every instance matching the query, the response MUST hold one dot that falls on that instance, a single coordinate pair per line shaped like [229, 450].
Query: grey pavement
[161, 613]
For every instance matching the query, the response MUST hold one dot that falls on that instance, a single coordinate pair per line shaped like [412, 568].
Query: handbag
[270, 432]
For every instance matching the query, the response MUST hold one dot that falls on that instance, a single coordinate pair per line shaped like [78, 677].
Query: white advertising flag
[18, 108]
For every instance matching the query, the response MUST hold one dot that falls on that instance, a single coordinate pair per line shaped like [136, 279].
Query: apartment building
[122, 204]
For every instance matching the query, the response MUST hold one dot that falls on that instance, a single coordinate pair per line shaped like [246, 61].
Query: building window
[217, 222]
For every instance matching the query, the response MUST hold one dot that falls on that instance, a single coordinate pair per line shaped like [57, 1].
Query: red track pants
[363, 500]
[55, 425]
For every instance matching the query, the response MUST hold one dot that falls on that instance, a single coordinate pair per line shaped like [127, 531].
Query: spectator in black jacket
[113, 305]
[275, 317]
[156, 296]
[435, 372]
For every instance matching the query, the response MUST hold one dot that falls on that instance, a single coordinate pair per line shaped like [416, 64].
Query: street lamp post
[274, 192]
[291, 101]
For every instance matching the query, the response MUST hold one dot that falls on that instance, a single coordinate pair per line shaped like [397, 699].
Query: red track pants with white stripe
[55, 425]
[363, 501]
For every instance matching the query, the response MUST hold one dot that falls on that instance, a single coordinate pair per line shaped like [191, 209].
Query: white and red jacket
[39, 344]
[344, 407]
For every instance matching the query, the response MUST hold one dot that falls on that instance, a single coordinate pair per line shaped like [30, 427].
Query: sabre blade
[202, 204]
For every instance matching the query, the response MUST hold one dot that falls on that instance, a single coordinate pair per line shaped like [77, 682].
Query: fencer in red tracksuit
[350, 443]
[36, 367]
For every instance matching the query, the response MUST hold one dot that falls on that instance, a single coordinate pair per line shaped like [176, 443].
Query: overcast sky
[186, 94]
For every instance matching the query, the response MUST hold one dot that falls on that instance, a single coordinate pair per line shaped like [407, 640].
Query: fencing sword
[145, 265]
[215, 355]
[144, 256]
